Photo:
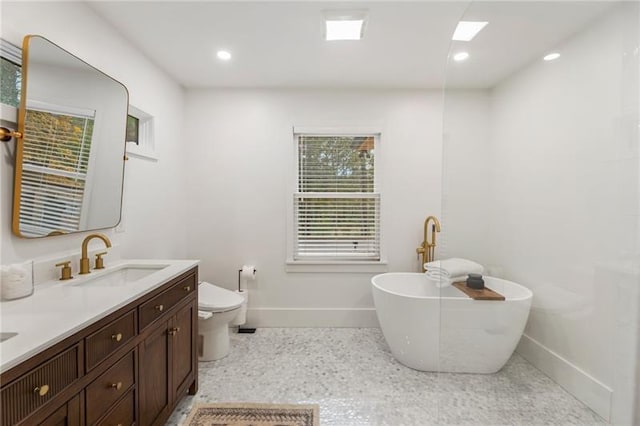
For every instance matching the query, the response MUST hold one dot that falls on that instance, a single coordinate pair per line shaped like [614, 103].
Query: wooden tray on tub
[483, 294]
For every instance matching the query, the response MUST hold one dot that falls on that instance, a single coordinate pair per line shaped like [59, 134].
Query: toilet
[217, 307]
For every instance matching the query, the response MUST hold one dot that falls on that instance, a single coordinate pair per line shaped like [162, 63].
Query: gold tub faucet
[84, 260]
[428, 248]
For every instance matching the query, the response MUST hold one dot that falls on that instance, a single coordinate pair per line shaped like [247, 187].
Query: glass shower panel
[541, 186]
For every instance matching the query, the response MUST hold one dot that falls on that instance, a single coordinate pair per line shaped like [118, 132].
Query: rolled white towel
[15, 281]
[457, 268]
[438, 276]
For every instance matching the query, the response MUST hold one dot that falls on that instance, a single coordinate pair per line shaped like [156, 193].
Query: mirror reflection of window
[56, 160]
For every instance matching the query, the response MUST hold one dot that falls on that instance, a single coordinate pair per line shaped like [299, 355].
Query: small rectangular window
[10, 73]
[337, 203]
[10, 80]
[133, 129]
[140, 135]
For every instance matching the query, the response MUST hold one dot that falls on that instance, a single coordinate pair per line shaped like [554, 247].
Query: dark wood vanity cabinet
[155, 391]
[167, 365]
[131, 367]
[184, 351]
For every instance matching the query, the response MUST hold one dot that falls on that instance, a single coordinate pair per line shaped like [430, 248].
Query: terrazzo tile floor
[352, 375]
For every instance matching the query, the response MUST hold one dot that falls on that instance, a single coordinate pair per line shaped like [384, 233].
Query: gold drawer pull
[174, 330]
[159, 308]
[117, 337]
[187, 288]
[41, 390]
[116, 386]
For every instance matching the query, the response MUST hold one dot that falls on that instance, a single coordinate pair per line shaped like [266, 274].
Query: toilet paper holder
[247, 330]
[239, 277]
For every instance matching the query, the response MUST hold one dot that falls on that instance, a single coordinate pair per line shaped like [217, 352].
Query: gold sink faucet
[84, 260]
[428, 248]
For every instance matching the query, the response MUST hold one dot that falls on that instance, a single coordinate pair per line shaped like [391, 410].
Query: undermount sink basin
[6, 336]
[120, 276]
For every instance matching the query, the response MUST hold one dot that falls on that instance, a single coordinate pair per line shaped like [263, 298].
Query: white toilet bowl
[224, 305]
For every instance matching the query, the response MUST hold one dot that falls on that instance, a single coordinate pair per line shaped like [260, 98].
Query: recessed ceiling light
[460, 56]
[551, 56]
[344, 24]
[467, 30]
[223, 55]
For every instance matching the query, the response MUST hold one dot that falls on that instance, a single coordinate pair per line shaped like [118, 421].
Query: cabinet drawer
[108, 339]
[123, 414]
[154, 308]
[26, 394]
[109, 387]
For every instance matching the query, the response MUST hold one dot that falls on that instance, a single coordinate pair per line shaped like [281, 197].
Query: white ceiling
[281, 44]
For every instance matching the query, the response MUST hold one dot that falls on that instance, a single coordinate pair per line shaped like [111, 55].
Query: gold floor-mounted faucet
[428, 248]
[84, 260]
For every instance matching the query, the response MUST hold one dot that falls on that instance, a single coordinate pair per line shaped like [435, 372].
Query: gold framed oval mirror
[69, 168]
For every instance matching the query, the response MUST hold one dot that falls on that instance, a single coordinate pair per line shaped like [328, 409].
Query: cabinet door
[183, 348]
[67, 415]
[154, 379]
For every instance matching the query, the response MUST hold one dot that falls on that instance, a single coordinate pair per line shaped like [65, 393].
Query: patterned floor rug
[245, 414]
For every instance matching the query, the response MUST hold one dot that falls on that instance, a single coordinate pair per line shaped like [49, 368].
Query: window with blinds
[337, 203]
[10, 73]
[56, 153]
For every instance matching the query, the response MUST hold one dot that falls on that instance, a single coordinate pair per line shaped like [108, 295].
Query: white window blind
[336, 205]
[56, 152]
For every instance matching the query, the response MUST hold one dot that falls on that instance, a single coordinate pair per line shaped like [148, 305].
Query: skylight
[344, 24]
[344, 30]
[467, 30]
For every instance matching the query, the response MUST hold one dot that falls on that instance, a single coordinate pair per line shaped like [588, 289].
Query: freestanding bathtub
[432, 328]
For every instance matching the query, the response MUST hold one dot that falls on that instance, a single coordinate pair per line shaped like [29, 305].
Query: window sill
[352, 267]
[143, 154]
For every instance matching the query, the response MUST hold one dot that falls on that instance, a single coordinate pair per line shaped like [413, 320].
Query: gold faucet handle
[100, 260]
[65, 272]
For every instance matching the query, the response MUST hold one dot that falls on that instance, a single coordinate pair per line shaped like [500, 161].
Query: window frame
[145, 149]
[334, 265]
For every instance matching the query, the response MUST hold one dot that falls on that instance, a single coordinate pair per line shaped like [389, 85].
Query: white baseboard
[593, 393]
[280, 317]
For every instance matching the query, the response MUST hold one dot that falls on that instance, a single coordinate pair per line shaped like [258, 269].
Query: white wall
[154, 192]
[242, 175]
[465, 185]
[563, 208]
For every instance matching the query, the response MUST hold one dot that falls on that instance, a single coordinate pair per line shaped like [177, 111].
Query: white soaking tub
[430, 328]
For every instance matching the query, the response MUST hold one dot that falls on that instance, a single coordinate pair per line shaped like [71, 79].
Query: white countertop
[58, 309]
